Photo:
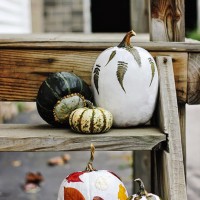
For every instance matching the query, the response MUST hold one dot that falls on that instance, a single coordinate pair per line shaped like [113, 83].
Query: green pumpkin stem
[89, 166]
[127, 39]
[89, 104]
[142, 191]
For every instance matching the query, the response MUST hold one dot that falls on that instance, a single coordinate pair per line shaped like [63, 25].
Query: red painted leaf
[72, 194]
[74, 177]
[97, 198]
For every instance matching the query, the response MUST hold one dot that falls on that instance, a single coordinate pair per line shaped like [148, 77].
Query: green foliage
[194, 35]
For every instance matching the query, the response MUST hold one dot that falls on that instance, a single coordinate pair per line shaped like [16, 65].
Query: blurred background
[86, 16]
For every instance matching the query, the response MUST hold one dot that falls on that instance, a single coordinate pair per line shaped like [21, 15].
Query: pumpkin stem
[89, 104]
[142, 191]
[89, 166]
[126, 40]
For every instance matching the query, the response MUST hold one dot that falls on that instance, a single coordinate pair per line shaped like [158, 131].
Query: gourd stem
[126, 40]
[90, 167]
[142, 191]
[89, 104]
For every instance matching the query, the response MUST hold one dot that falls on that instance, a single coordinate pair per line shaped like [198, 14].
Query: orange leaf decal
[72, 194]
[122, 193]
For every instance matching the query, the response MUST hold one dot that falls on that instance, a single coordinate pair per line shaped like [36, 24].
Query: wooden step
[45, 138]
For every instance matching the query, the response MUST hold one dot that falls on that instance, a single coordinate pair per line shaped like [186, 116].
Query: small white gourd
[142, 193]
[125, 82]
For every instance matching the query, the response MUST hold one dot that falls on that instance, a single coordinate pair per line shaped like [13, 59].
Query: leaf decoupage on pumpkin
[93, 184]
[72, 194]
[59, 95]
[127, 83]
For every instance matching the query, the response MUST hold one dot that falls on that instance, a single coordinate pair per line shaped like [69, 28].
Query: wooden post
[171, 177]
[182, 119]
[139, 15]
[167, 20]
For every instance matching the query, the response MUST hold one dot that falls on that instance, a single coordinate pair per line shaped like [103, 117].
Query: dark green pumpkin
[59, 86]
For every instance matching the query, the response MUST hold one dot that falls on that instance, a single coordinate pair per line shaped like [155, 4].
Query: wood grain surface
[172, 174]
[46, 138]
[167, 20]
[22, 71]
[194, 78]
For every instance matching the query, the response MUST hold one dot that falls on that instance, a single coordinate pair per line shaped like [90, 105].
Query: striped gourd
[91, 120]
[59, 95]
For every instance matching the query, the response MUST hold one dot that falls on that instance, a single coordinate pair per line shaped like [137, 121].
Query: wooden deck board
[45, 138]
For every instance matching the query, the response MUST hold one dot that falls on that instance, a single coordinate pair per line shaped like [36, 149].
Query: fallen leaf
[16, 163]
[31, 188]
[35, 178]
[59, 160]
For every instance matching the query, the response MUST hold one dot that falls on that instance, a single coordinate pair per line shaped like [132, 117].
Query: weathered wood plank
[22, 71]
[194, 78]
[182, 119]
[174, 182]
[46, 138]
[180, 68]
[169, 18]
[63, 45]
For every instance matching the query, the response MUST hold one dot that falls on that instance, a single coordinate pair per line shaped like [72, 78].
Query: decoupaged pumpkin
[90, 119]
[92, 184]
[142, 193]
[59, 95]
[125, 82]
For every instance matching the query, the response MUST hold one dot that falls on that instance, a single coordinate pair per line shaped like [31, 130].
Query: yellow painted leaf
[122, 193]
[72, 194]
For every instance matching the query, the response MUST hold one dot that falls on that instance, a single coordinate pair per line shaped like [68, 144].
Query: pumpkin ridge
[79, 123]
[104, 121]
[50, 110]
[65, 81]
[81, 83]
[72, 124]
[92, 121]
[54, 93]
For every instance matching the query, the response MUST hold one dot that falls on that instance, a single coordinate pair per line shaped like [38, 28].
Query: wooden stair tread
[21, 137]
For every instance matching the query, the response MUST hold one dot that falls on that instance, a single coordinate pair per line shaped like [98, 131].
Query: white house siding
[15, 16]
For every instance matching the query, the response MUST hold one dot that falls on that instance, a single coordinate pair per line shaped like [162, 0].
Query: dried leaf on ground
[59, 160]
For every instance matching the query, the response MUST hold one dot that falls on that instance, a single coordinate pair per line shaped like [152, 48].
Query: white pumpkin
[142, 193]
[125, 82]
[92, 184]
